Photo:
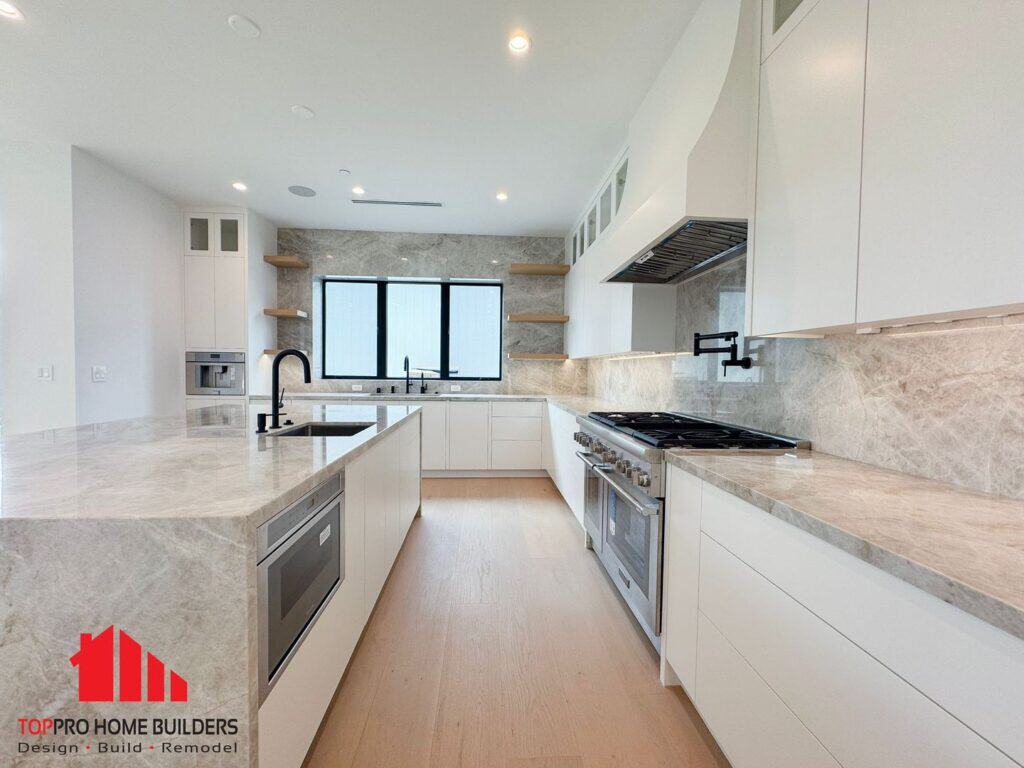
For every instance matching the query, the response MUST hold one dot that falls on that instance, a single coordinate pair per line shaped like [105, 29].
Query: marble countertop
[398, 396]
[964, 547]
[205, 463]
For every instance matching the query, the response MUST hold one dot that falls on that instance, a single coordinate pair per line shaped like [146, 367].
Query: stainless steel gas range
[623, 454]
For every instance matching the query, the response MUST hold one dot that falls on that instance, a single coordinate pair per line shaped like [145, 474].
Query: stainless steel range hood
[695, 247]
[695, 216]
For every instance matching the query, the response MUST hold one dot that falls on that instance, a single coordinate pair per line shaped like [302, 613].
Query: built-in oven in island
[300, 565]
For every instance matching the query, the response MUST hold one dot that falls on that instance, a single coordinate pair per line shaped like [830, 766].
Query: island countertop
[204, 463]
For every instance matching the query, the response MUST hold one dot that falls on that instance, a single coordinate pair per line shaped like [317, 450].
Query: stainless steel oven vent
[695, 247]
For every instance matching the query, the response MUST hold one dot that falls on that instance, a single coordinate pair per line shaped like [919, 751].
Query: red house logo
[95, 662]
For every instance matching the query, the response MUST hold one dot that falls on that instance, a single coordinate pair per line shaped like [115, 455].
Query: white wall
[261, 291]
[128, 294]
[37, 316]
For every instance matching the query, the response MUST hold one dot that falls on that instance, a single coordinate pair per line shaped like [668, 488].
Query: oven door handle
[650, 509]
[585, 458]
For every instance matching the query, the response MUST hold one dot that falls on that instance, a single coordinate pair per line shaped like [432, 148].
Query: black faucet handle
[280, 399]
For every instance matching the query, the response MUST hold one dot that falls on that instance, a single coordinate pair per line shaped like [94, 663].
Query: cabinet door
[434, 420]
[229, 309]
[229, 235]
[199, 234]
[515, 454]
[806, 220]
[410, 459]
[469, 438]
[682, 571]
[375, 527]
[574, 308]
[200, 322]
[941, 224]
[392, 447]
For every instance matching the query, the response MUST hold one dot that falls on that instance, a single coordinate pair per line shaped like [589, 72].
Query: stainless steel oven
[300, 565]
[215, 373]
[632, 548]
[593, 501]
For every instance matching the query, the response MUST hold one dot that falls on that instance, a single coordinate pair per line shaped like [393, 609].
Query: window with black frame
[447, 329]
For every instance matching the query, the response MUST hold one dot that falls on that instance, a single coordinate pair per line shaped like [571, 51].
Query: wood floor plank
[499, 641]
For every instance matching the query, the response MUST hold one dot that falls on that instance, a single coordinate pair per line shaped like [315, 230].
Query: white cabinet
[434, 418]
[377, 542]
[803, 254]
[200, 303]
[682, 559]
[750, 722]
[575, 329]
[517, 435]
[469, 439]
[409, 467]
[943, 187]
[215, 282]
[563, 464]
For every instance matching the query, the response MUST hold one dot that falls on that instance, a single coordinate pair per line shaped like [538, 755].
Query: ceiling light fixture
[519, 43]
[239, 186]
[10, 10]
[243, 26]
[344, 171]
[502, 196]
[302, 112]
[302, 191]
[358, 191]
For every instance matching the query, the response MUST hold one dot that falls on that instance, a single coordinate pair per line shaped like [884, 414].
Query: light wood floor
[498, 641]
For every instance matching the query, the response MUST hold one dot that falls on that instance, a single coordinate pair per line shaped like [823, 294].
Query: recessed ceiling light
[243, 26]
[10, 10]
[239, 186]
[502, 196]
[302, 191]
[358, 191]
[519, 43]
[494, 261]
[344, 171]
[303, 112]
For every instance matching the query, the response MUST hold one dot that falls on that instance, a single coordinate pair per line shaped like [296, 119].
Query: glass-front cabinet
[778, 18]
[601, 211]
[199, 235]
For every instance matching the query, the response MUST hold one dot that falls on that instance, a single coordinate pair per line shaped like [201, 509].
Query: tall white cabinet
[215, 275]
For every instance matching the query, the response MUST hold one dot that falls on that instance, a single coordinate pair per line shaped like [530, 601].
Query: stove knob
[609, 456]
[623, 465]
[633, 473]
[578, 437]
[643, 480]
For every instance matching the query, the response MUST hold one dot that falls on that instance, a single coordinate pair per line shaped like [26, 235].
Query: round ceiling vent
[302, 191]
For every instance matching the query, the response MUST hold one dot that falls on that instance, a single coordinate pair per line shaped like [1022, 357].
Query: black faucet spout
[275, 378]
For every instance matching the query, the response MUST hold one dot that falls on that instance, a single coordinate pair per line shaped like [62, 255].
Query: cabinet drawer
[530, 409]
[969, 668]
[516, 454]
[516, 428]
[839, 692]
[751, 724]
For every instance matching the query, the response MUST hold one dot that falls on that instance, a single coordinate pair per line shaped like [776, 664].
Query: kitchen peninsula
[153, 527]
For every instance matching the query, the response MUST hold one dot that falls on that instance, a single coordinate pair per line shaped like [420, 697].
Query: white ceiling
[421, 99]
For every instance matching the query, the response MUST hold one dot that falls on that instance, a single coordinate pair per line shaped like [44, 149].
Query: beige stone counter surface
[964, 547]
[204, 463]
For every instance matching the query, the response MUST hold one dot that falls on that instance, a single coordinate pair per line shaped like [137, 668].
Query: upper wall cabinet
[199, 234]
[942, 230]
[778, 19]
[810, 115]
[215, 274]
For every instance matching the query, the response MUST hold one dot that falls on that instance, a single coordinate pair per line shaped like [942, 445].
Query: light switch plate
[99, 374]
[456, 387]
[45, 373]
[357, 387]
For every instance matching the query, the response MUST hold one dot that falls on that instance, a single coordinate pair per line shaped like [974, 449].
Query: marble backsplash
[394, 254]
[939, 401]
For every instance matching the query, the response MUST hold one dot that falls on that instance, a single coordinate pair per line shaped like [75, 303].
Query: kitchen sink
[324, 429]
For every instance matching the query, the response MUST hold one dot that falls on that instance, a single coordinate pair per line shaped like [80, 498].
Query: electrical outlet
[456, 387]
[357, 387]
[99, 374]
[45, 373]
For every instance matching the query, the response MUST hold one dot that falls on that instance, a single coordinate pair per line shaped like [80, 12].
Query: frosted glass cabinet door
[199, 233]
[806, 218]
[943, 189]
[229, 235]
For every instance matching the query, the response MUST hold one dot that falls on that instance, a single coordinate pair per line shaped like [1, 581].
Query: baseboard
[484, 473]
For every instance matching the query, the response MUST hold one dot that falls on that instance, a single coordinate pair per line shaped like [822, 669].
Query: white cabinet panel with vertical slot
[751, 724]
[409, 438]
[836, 689]
[375, 527]
[229, 309]
[469, 438]
[200, 302]
[565, 467]
[682, 565]
[434, 419]
[806, 221]
[943, 187]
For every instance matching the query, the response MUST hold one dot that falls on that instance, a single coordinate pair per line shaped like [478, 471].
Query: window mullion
[382, 329]
[445, 322]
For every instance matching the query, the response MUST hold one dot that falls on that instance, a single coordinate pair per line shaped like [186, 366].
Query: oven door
[632, 549]
[295, 583]
[593, 501]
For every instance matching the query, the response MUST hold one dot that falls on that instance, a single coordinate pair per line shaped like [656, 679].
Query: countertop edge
[966, 598]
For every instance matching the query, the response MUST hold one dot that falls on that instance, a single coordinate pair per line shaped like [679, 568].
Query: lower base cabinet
[382, 496]
[560, 459]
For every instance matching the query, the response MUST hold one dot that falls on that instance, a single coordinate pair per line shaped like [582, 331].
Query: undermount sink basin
[323, 429]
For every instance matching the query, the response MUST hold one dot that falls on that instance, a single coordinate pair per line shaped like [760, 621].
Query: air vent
[695, 247]
[415, 203]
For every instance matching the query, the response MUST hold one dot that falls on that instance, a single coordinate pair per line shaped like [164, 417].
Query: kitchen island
[150, 526]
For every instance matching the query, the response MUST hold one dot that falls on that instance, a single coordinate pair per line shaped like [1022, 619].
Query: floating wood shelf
[273, 352]
[286, 262]
[536, 356]
[284, 313]
[520, 268]
[538, 317]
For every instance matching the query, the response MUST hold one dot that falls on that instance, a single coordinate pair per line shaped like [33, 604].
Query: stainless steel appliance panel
[593, 501]
[215, 373]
